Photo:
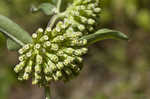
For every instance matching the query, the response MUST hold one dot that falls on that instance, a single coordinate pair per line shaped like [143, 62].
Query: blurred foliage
[113, 70]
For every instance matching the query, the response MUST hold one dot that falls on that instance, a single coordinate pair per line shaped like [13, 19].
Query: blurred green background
[113, 69]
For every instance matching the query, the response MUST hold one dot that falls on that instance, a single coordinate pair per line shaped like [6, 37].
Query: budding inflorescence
[56, 54]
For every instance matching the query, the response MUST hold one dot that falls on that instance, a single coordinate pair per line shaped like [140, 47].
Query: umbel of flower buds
[56, 54]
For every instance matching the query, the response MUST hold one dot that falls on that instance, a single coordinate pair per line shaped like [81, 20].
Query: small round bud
[91, 21]
[28, 69]
[79, 59]
[37, 46]
[29, 54]
[40, 30]
[82, 7]
[97, 10]
[21, 51]
[47, 69]
[89, 12]
[60, 65]
[60, 53]
[91, 29]
[22, 58]
[58, 74]
[37, 76]
[53, 67]
[19, 67]
[39, 59]
[38, 69]
[90, 6]
[26, 76]
[58, 39]
[54, 47]
[35, 81]
[58, 29]
[45, 37]
[26, 47]
[84, 19]
[48, 29]
[73, 66]
[34, 35]
[69, 50]
[47, 44]
[81, 27]
[83, 42]
[68, 71]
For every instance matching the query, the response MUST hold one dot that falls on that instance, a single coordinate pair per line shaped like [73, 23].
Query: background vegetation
[113, 70]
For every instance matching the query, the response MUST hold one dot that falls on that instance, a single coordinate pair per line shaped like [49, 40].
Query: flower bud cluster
[56, 54]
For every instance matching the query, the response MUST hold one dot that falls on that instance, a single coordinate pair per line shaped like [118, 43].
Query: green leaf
[46, 8]
[14, 32]
[103, 34]
[12, 46]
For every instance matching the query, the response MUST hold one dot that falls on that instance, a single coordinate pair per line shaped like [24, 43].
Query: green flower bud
[19, 67]
[69, 50]
[54, 47]
[39, 59]
[34, 35]
[21, 51]
[60, 65]
[35, 81]
[58, 74]
[28, 69]
[52, 57]
[26, 76]
[48, 78]
[22, 58]
[38, 68]
[68, 71]
[97, 10]
[58, 39]
[91, 21]
[81, 27]
[29, 54]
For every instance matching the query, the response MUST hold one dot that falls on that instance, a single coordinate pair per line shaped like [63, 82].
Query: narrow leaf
[14, 32]
[103, 34]
[46, 8]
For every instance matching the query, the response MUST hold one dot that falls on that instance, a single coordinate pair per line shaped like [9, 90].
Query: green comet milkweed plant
[55, 53]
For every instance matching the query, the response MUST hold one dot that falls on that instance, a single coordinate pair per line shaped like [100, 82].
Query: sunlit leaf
[14, 32]
[103, 34]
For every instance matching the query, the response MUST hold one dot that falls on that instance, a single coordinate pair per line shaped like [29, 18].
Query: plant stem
[47, 92]
[59, 5]
[52, 21]
[56, 16]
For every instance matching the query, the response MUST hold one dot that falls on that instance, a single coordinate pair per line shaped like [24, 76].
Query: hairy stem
[59, 5]
[56, 16]
[47, 92]
[52, 21]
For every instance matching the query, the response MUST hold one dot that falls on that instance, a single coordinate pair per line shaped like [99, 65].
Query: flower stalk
[47, 92]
